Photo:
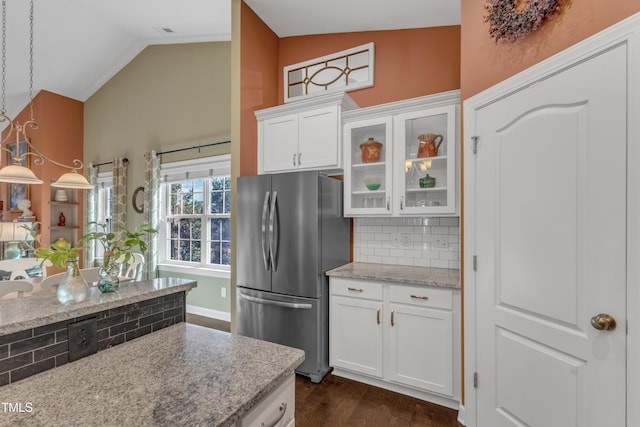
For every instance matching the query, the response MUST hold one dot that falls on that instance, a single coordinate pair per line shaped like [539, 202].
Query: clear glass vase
[109, 276]
[72, 288]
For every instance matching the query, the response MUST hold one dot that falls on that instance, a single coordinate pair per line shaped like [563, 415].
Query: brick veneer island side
[34, 330]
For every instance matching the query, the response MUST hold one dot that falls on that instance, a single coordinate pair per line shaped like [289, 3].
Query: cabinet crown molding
[338, 98]
[403, 106]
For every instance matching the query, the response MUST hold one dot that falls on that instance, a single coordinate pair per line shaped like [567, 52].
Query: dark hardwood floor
[208, 322]
[339, 402]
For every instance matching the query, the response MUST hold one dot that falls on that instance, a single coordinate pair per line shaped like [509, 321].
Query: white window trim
[191, 169]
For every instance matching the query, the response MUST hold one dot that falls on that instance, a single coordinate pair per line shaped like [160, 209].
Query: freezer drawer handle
[276, 303]
[265, 249]
[283, 410]
[355, 289]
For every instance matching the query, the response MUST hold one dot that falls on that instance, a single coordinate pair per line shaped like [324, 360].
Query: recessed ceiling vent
[164, 30]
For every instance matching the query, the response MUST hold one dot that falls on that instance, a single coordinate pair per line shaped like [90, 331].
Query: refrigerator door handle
[276, 303]
[273, 239]
[265, 249]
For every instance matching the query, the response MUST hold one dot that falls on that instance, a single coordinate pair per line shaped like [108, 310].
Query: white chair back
[133, 269]
[52, 281]
[19, 286]
[18, 267]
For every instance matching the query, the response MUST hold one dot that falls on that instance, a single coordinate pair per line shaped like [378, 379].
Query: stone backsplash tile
[28, 352]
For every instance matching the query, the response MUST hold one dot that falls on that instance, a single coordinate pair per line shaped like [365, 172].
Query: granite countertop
[38, 310]
[184, 375]
[426, 276]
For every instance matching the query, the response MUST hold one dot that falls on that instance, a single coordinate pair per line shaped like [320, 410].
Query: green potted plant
[118, 249]
[72, 288]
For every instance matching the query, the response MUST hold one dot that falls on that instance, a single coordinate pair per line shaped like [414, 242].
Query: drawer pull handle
[355, 289]
[283, 410]
[378, 318]
[419, 297]
[392, 313]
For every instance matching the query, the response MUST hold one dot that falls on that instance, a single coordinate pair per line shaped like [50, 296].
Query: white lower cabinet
[400, 337]
[277, 409]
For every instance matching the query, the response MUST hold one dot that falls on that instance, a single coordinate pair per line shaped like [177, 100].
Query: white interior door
[550, 239]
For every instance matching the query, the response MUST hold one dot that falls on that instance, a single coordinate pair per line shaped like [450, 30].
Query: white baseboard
[207, 312]
[461, 415]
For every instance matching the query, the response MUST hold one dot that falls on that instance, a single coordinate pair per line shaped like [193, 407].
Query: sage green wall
[168, 97]
[207, 293]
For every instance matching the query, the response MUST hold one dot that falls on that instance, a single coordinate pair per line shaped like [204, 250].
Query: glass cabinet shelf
[418, 139]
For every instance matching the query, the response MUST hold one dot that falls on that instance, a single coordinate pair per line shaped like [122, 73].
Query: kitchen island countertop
[38, 310]
[182, 375]
[425, 276]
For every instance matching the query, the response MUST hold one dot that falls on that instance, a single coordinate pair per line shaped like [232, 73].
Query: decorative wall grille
[346, 70]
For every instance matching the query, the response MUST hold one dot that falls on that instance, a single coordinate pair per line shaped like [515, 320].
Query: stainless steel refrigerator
[290, 231]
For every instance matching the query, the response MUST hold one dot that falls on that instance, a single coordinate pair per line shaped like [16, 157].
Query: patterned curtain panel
[152, 211]
[119, 208]
[90, 212]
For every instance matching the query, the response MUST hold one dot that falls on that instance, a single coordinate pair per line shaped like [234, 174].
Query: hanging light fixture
[15, 172]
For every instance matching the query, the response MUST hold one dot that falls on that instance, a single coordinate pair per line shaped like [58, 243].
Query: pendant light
[15, 172]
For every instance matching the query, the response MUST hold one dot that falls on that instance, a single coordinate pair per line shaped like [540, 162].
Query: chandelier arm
[77, 164]
[9, 130]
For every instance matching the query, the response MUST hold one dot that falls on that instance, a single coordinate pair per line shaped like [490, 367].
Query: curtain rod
[97, 165]
[197, 147]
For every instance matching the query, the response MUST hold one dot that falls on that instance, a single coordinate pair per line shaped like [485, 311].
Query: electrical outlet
[223, 292]
[405, 240]
[83, 338]
[440, 243]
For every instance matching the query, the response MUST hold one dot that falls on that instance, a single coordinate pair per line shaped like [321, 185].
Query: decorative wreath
[512, 19]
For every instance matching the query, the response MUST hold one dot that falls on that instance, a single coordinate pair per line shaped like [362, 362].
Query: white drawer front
[356, 288]
[276, 409]
[422, 296]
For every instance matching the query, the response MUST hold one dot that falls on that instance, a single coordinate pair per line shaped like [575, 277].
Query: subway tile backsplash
[424, 242]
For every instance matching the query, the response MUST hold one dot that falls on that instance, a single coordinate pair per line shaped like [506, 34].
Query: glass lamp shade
[72, 180]
[17, 174]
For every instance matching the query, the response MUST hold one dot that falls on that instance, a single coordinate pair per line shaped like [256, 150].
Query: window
[196, 211]
[104, 208]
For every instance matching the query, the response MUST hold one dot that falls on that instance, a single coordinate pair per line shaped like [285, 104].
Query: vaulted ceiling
[81, 44]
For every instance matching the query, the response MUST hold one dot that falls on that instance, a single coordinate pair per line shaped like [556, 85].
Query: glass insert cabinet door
[368, 159]
[425, 166]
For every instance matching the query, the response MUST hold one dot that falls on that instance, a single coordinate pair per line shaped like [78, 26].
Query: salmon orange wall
[408, 63]
[258, 82]
[59, 137]
[485, 63]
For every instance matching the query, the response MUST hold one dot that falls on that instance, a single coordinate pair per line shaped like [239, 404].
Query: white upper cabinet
[302, 135]
[417, 165]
